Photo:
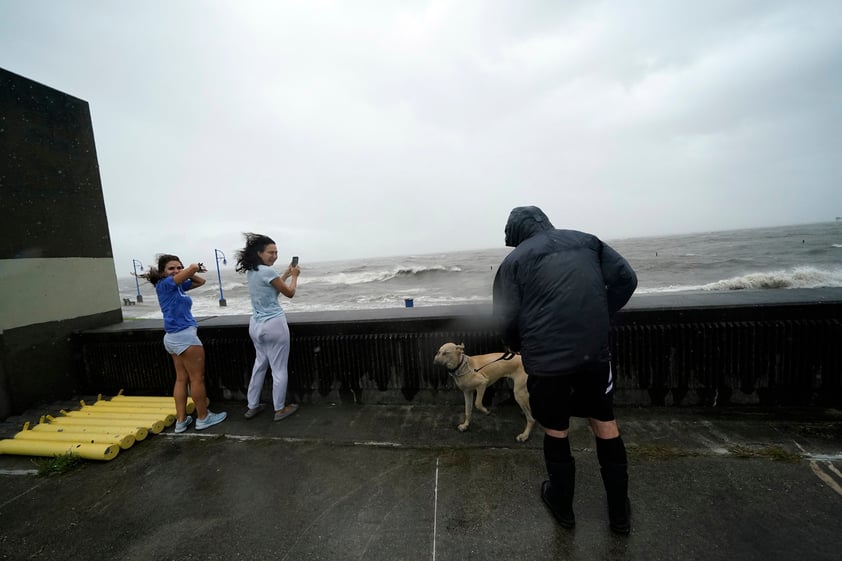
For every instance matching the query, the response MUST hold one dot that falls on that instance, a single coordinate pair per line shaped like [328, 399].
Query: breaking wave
[402, 272]
[798, 277]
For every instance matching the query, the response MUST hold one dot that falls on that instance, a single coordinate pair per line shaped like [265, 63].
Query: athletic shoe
[181, 426]
[211, 420]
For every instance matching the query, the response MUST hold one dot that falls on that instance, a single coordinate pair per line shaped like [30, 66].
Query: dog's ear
[461, 346]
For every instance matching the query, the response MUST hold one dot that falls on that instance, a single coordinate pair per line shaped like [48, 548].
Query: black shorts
[588, 392]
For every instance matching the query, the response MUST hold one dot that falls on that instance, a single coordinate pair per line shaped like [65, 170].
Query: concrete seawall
[773, 347]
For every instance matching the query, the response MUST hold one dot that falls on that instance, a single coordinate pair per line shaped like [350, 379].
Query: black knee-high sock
[611, 451]
[557, 450]
[613, 464]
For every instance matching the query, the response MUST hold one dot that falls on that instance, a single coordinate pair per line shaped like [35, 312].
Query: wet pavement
[399, 482]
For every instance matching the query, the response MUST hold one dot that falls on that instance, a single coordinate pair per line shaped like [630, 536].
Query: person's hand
[201, 268]
[295, 271]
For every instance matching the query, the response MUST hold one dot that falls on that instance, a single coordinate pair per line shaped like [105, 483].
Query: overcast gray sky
[375, 128]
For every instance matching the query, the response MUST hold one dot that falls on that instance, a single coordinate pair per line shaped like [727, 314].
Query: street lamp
[135, 264]
[217, 253]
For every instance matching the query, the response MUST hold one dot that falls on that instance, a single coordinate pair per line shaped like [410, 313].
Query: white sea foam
[798, 277]
[800, 256]
[383, 275]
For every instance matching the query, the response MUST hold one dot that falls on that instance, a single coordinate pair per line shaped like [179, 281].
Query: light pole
[135, 264]
[216, 254]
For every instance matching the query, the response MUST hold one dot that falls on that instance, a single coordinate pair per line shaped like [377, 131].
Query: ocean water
[803, 256]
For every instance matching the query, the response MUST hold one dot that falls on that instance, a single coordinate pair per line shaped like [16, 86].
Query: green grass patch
[57, 465]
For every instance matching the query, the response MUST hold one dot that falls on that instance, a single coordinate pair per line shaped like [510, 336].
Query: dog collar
[454, 372]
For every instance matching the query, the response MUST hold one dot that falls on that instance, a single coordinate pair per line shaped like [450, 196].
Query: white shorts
[176, 343]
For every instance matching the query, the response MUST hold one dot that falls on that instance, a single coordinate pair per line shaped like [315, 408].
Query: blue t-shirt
[264, 296]
[175, 304]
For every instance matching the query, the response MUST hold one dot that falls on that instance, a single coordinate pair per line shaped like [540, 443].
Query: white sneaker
[211, 420]
[181, 426]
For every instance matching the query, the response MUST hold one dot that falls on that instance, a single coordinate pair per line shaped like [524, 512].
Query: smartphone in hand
[294, 262]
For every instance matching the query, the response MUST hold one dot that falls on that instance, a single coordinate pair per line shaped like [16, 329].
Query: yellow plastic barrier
[98, 431]
[131, 407]
[124, 441]
[52, 448]
[147, 398]
[142, 418]
[107, 406]
[112, 424]
[139, 433]
[151, 400]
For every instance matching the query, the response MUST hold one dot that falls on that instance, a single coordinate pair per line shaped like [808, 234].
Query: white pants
[271, 344]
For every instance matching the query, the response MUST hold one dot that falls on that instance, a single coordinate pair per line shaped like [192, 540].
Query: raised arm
[189, 272]
[281, 285]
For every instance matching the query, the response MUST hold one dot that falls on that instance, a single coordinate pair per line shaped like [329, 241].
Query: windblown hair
[154, 275]
[248, 258]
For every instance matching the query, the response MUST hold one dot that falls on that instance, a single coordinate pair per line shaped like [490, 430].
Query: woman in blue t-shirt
[268, 325]
[172, 281]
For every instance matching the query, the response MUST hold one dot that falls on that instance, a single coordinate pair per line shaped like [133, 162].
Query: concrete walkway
[369, 482]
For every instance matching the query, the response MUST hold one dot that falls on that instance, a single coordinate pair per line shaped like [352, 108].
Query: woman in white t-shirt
[268, 325]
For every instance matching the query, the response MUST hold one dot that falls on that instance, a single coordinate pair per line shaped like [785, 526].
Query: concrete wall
[771, 347]
[56, 267]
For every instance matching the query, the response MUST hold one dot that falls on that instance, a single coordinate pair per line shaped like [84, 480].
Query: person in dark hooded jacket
[554, 296]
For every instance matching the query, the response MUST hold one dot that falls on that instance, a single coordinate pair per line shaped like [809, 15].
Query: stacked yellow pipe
[98, 431]
[140, 415]
[53, 448]
[147, 401]
[138, 433]
[112, 407]
[119, 425]
[124, 441]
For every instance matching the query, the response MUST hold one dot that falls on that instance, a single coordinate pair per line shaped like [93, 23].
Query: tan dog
[478, 372]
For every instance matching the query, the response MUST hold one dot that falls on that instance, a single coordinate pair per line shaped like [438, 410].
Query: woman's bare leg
[179, 392]
[193, 360]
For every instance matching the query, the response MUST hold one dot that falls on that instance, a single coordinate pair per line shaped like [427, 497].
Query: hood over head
[524, 222]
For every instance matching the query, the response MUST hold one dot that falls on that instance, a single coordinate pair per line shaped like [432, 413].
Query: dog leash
[504, 356]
